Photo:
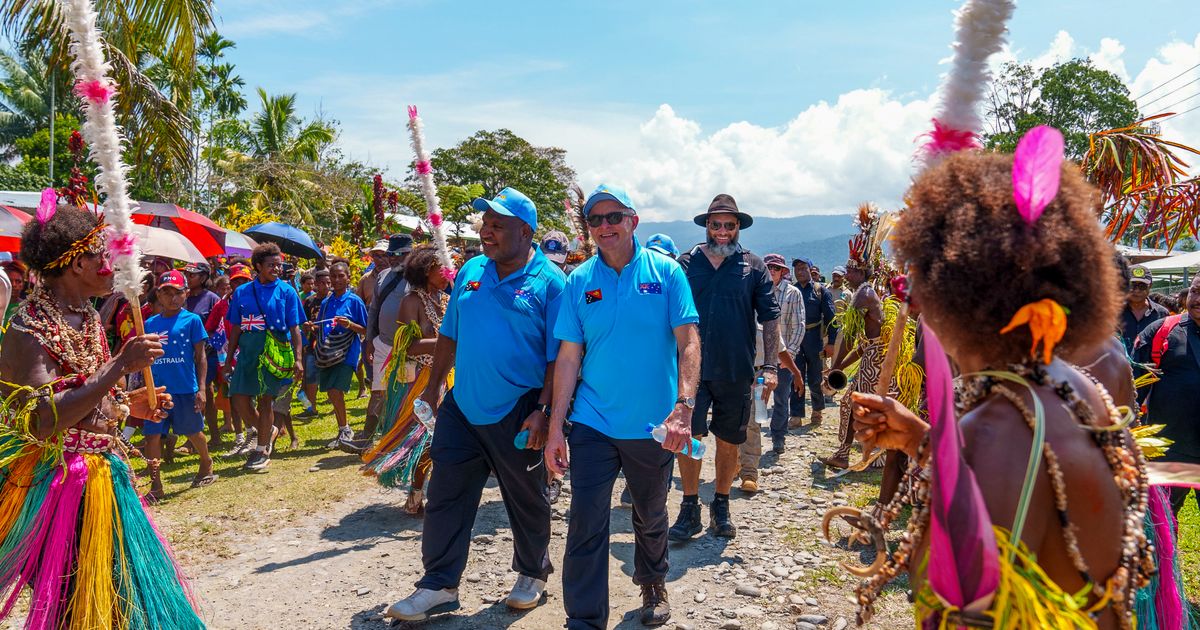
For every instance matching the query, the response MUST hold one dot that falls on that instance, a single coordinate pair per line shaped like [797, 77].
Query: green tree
[277, 167]
[24, 97]
[496, 159]
[1075, 97]
[34, 150]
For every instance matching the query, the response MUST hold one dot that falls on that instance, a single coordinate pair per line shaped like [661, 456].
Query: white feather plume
[433, 212]
[103, 137]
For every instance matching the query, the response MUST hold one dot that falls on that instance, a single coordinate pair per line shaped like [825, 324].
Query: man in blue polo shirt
[498, 335]
[266, 306]
[633, 311]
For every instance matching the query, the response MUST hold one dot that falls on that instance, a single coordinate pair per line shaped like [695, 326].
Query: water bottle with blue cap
[695, 450]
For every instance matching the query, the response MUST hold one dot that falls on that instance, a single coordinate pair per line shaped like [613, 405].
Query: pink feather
[943, 140]
[1037, 166]
[435, 219]
[121, 244]
[47, 206]
[95, 91]
[448, 273]
[412, 112]
[1167, 601]
[424, 167]
[964, 563]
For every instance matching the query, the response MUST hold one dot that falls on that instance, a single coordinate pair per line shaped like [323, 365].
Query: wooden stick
[135, 309]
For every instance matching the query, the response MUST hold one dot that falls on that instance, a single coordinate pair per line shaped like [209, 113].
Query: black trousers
[595, 461]
[809, 362]
[463, 454]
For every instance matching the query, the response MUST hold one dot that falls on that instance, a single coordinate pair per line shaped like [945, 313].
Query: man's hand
[309, 327]
[798, 383]
[557, 455]
[298, 372]
[537, 423]
[139, 406]
[430, 396]
[679, 429]
[770, 382]
[200, 401]
[829, 351]
[139, 353]
[886, 423]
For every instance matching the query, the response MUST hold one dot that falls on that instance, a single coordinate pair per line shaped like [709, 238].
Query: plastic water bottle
[424, 413]
[695, 450]
[760, 408]
[522, 440]
[303, 398]
[222, 356]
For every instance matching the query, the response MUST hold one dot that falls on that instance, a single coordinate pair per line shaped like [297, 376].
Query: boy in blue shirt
[181, 370]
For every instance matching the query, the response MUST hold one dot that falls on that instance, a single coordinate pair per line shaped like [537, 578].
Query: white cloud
[1159, 78]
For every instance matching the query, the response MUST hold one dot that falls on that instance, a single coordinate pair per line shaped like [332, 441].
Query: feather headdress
[573, 204]
[863, 246]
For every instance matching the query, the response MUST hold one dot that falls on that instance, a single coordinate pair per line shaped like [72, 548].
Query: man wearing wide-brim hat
[370, 280]
[732, 291]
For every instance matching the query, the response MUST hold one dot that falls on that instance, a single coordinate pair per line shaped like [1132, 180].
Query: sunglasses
[728, 226]
[612, 218]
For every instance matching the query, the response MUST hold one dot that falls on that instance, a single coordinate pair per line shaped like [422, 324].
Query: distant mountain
[821, 237]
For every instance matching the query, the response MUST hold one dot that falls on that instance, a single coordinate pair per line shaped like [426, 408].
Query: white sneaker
[526, 593]
[423, 603]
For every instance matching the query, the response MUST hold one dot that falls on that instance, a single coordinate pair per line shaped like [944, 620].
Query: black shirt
[818, 310]
[729, 299]
[1131, 326]
[1175, 399]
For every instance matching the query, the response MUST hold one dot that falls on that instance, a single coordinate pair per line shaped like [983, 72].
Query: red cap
[173, 278]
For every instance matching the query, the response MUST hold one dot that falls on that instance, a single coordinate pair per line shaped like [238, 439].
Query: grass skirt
[74, 531]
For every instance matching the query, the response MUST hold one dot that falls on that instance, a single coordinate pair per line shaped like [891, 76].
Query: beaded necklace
[1136, 564]
[434, 310]
[78, 352]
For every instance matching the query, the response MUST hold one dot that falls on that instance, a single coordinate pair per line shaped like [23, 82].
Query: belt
[811, 326]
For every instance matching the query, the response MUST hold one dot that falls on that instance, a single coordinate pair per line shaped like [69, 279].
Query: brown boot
[815, 418]
[655, 609]
[795, 422]
[836, 461]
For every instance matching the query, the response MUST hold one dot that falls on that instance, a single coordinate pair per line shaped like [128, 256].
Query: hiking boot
[423, 603]
[554, 490]
[258, 461]
[815, 418]
[718, 519]
[655, 609]
[749, 486]
[526, 593]
[795, 422]
[687, 524]
[778, 445]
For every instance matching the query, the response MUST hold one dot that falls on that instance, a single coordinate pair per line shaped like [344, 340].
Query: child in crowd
[181, 369]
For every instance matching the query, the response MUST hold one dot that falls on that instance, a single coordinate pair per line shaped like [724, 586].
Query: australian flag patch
[473, 285]
[650, 288]
[523, 296]
[593, 296]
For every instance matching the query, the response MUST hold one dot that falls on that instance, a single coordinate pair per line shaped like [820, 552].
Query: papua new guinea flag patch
[593, 296]
[472, 286]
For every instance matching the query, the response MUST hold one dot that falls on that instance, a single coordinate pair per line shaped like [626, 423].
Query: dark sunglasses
[728, 226]
[612, 218]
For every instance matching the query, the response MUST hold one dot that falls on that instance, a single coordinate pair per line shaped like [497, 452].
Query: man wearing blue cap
[632, 310]
[497, 333]
[818, 315]
[663, 244]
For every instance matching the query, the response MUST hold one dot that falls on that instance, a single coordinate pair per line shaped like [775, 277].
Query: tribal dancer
[999, 493]
[72, 525]
[400, 458]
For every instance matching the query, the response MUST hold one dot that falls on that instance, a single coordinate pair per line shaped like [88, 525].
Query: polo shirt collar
[533, 267]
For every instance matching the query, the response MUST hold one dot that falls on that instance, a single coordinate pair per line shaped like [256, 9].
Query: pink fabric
[1036, 169]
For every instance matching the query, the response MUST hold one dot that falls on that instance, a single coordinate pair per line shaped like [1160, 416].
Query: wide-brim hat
[724, 204]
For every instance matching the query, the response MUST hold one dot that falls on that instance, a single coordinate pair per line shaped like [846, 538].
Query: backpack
[1159, 345]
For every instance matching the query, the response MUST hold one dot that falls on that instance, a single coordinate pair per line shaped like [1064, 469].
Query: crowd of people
[533, 362]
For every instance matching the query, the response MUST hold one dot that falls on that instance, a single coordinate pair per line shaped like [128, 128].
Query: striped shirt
[791, 315]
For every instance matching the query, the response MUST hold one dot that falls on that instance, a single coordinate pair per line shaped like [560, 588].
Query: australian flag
[650, 288]
[593, 296]
[251, 323]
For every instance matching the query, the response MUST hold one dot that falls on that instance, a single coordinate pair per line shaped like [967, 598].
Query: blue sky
[789, 104]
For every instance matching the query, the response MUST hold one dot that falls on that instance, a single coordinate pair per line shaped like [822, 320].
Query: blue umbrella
[290, 240]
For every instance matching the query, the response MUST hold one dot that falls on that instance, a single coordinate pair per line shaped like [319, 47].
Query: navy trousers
[595, 461]
[782, 403]
[811, 366]
[463, 454]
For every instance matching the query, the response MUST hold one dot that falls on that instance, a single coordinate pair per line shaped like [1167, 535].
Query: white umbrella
[239, 244]
[165, 243]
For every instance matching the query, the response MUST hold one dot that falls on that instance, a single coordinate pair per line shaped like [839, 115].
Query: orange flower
[1047, 322]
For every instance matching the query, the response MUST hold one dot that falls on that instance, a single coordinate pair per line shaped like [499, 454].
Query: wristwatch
[686, 401]
[545, 409]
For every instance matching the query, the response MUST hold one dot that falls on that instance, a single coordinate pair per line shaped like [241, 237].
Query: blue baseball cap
[604, 192]
[662, 244]
[802, 259]
[511, 203]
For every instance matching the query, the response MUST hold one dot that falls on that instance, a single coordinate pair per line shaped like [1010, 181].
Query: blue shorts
[182, 419]
[214, 368]
[310, 368]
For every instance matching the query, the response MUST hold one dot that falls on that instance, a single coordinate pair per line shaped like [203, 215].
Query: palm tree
[167, 30]
[277, 168]
[24, 98]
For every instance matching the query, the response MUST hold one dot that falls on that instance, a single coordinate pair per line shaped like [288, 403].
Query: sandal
[206, 480]
[415, 505]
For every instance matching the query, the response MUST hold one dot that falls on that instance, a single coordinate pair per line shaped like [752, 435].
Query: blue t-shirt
[505, 333]
[176, 368]
[260, 307]
[352, 308]
[627, 323]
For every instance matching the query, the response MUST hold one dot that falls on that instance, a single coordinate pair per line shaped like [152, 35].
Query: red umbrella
[208, 237]
[12, 222]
